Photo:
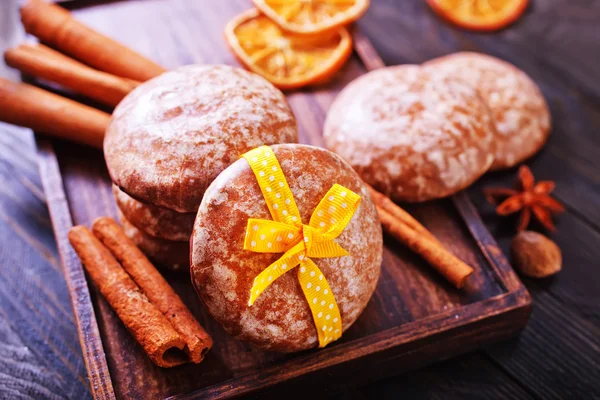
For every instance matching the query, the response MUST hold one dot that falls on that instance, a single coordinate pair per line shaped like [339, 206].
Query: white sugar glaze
[519, 110]
[411, 134]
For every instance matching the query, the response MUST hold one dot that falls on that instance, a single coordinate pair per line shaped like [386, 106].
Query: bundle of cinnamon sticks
[85, 61]
[140, 296]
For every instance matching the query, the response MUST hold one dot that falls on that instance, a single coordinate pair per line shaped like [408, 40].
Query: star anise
[529, 197]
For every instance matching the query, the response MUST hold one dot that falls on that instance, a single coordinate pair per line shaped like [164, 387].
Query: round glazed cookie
[171, 254]
[518, 108]
[171, 136]
[223, 272]
[411, 135]
[155, 221]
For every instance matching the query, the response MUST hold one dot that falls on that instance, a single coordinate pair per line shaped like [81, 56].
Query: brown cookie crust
[171, 136]
[155, 221]
[519, 110]
[411, 135]
[223, 272]
[172, 255]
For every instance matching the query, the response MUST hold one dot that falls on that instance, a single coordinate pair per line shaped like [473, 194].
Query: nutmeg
[535, 255]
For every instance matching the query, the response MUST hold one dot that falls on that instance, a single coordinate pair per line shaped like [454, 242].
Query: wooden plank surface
[557, 355]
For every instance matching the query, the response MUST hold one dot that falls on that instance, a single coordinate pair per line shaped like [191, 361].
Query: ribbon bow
[299, 243]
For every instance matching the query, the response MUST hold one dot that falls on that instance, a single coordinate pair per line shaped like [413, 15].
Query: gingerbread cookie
[172, 135]
[410, 134]
[153, 220]
[223, 271]
[171, 254]
[518, 108]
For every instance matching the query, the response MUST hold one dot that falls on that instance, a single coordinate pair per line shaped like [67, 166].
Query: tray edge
[517, 304]
[90, 340]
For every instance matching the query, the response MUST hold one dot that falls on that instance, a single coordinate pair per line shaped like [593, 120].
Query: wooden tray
[413, 319]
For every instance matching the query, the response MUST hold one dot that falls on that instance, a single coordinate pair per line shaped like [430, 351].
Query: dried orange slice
[286, 59]
[312, 16]
[480, 15]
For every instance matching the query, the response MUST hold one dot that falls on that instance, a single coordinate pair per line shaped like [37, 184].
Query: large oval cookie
[171, 136]
[223, 272]
[410, 134]
[518, 108]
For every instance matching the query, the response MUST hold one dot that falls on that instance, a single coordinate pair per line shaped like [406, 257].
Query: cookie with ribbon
[286, 249]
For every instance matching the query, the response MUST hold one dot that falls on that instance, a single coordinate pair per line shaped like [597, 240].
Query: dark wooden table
[557, 43]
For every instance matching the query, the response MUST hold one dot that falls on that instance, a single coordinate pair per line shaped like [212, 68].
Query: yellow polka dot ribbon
[299, 243]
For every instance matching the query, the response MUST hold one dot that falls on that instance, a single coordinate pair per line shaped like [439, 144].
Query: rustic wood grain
[555, 357]
[39, 350]
[468, 376]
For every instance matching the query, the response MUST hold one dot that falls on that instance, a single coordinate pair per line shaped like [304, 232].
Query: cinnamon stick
[46, 112]
[156, 288]
[42, 62]
[448, 265]
[147, 324]
[384, 202]
[55, 26]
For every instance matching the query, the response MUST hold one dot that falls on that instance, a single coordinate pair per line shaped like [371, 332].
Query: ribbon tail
[321, 301]
[289, 260]
[327, 249]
